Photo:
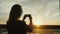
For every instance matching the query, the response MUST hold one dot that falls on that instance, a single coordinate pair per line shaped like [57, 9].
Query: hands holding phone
[30, 18]
[27, 15]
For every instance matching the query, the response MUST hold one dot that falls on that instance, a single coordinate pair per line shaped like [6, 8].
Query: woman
[16, 26]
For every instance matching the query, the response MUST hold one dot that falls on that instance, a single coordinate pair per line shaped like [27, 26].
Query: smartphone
[26, 15]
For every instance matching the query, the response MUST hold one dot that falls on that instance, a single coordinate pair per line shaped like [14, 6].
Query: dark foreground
[44, 29]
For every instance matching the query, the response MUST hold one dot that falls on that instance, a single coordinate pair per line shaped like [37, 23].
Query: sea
[35, 31]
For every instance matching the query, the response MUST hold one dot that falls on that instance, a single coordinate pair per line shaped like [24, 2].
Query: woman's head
[16, 12]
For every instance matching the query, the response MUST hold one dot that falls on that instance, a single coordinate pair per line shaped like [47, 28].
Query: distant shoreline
[40, 27]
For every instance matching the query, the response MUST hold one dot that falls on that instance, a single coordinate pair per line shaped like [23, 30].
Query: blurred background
[44, 12]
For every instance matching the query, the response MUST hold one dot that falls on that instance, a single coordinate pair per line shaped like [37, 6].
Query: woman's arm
[30, 25]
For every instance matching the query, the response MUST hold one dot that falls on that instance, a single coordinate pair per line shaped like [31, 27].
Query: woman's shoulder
[21, 21]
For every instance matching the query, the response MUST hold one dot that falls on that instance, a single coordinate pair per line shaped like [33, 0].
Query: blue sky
[46, 11]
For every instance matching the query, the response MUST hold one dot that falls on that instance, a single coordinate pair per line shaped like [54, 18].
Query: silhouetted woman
[16, 26]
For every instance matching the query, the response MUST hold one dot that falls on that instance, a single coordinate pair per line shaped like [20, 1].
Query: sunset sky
[44, 12]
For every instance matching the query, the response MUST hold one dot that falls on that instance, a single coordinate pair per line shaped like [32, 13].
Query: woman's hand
[30, 18]
[27, 15]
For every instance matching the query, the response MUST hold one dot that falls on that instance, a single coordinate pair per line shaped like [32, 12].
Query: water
[45, 31]
[35, 31]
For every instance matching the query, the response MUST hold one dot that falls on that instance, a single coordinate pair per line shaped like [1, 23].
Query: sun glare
[37, 22]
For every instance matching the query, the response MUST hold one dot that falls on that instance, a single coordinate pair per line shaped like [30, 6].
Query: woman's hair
[16, 12]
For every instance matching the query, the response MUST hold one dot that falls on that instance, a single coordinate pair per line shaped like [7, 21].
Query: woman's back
[17, 27]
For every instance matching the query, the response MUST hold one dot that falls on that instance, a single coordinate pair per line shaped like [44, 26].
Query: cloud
[46, 9]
